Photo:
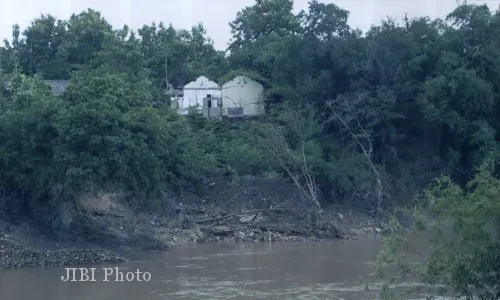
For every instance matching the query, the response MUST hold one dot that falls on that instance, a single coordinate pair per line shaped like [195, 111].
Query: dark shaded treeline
[367, 119]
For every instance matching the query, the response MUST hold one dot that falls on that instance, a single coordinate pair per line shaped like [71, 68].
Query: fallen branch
[240, 213]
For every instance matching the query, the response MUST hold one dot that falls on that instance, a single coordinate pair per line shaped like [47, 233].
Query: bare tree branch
[290, 159]
[367, 152]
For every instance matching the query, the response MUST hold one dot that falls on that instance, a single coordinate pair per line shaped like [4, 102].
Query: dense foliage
[461, 224]
[364, 118]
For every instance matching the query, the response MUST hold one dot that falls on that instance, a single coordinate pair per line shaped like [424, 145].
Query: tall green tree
[41, 48]
[10, 52]
[109, 131]
[87, 34]
[28, 135]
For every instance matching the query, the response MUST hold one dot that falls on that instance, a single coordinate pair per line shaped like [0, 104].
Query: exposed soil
[104, 230]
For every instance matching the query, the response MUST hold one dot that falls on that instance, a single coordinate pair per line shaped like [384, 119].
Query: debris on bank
[253, 210]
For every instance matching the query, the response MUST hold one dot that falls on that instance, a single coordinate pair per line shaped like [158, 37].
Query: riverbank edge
[20, 245]
[103, 228]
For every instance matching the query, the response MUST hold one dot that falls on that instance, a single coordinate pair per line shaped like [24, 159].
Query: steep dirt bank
[250, 209]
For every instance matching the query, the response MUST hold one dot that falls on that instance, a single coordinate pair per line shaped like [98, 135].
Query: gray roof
[57, 86]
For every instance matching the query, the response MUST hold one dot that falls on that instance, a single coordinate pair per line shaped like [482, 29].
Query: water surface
[299, 270]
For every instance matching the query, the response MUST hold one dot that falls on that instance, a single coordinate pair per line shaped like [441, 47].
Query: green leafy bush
[462, 227]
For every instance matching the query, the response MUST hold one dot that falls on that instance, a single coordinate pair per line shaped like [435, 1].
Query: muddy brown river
[298, 270]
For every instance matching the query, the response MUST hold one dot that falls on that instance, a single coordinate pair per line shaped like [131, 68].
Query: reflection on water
[319, 270]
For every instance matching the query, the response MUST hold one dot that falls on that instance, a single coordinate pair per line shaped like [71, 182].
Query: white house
[242, 96]
[195, 91]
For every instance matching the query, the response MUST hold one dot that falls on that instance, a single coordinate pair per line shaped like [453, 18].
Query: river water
[299, 270]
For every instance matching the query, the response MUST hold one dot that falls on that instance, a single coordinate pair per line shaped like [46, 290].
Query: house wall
[243, 92]
[196, 91]
[212, 108]
[195, 97]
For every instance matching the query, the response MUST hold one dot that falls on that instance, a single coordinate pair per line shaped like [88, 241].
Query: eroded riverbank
[106, 231]
[19, 249]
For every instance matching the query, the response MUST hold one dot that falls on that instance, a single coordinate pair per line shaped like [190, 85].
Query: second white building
[242, 96]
